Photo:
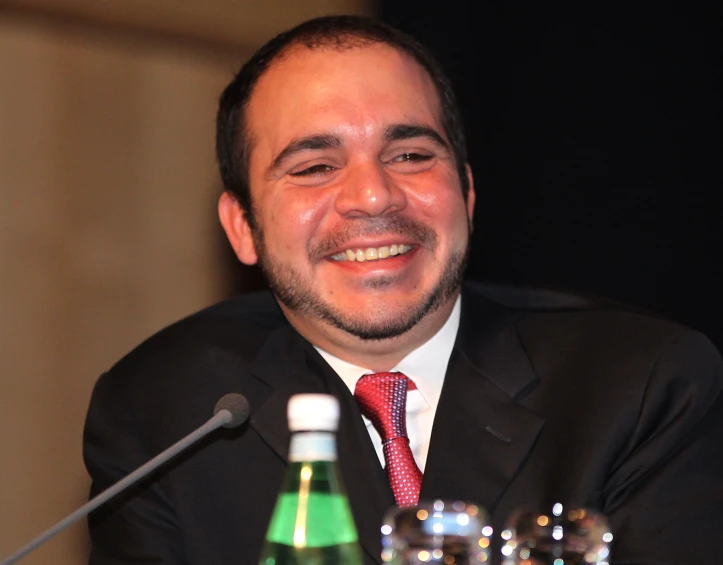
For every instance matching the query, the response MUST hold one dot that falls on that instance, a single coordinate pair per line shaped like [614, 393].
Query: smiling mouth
[371, 253]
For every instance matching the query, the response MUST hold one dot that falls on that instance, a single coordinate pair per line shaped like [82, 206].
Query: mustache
[358, 228]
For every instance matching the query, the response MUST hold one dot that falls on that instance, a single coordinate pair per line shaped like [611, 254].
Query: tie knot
[382, 397]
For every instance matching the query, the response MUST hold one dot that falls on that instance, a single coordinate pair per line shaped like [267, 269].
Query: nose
[368, 191]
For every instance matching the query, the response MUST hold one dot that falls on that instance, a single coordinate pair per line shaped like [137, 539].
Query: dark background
[595, 138]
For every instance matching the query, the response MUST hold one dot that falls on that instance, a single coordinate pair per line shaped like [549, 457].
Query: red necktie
[382, 398]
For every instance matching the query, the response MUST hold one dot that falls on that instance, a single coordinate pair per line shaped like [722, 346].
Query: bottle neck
[312, 446]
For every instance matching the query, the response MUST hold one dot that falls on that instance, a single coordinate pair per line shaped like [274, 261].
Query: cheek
[437, 187]
[455, 222]
[443, 206]
[295, 217]
[309, 210]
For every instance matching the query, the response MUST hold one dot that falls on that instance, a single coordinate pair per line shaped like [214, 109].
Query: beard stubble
[298, 294]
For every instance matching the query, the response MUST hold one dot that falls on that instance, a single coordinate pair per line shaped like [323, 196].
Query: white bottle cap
[313, 412]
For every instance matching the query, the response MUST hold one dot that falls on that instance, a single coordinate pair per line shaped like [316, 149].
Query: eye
[411, 162]
[411, 158]
[313, 170]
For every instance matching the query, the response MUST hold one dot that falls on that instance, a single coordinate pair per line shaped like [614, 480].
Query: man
[343, 158]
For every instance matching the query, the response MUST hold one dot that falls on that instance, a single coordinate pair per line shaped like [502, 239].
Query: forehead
[351, 90]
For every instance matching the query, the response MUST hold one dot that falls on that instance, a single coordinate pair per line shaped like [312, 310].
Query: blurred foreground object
[453, 533]
[561, 537]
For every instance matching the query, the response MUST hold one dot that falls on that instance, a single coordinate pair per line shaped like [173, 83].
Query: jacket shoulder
[545, 298]
[567, 321]
[237, 327]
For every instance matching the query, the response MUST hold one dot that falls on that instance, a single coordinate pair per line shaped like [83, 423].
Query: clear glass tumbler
[448, 532]
[574, 536]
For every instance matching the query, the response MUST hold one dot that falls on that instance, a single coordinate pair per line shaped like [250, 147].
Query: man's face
[362, 225]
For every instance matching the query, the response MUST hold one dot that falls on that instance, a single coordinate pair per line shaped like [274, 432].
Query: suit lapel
[281, 364]
[481, 435]
[290, 365]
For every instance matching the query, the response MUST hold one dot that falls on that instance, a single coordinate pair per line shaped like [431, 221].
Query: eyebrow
[400, 132]
[311, 142]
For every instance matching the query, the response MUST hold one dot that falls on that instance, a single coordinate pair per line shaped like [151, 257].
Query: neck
[377, 355]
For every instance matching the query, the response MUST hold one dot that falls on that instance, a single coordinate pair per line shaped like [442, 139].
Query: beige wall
[107, 233]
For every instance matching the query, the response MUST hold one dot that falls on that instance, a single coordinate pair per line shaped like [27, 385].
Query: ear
[470, 195]
[235, 224]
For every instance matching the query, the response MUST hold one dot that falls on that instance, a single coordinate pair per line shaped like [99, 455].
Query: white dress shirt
[426, 367]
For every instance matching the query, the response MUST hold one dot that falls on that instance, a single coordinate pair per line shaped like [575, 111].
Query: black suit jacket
[548, 398]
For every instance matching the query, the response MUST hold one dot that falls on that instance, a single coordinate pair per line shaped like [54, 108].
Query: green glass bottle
[312, 522]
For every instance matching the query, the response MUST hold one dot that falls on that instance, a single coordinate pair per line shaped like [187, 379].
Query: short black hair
[340, 32]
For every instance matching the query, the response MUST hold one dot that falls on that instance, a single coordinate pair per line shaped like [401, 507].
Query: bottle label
[312, 446]
[324, 520]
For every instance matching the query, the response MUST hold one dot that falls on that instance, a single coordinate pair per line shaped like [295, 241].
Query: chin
[380, 322]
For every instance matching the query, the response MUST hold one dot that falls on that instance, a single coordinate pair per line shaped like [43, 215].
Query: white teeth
[371, 253]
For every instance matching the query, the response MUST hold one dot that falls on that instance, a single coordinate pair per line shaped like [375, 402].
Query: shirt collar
[426, 365]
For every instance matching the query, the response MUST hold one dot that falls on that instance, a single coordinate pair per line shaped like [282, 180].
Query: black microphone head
[238, 407]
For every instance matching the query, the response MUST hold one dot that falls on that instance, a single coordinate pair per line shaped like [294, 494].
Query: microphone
[231, 411]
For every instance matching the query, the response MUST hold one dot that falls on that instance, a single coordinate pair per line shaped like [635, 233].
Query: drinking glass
[445, 532]
[572, 536]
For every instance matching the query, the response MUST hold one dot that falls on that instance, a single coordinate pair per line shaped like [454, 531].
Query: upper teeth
[371, 253]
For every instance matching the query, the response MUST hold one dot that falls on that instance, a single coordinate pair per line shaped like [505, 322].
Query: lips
[355, 239]
[372, 253]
